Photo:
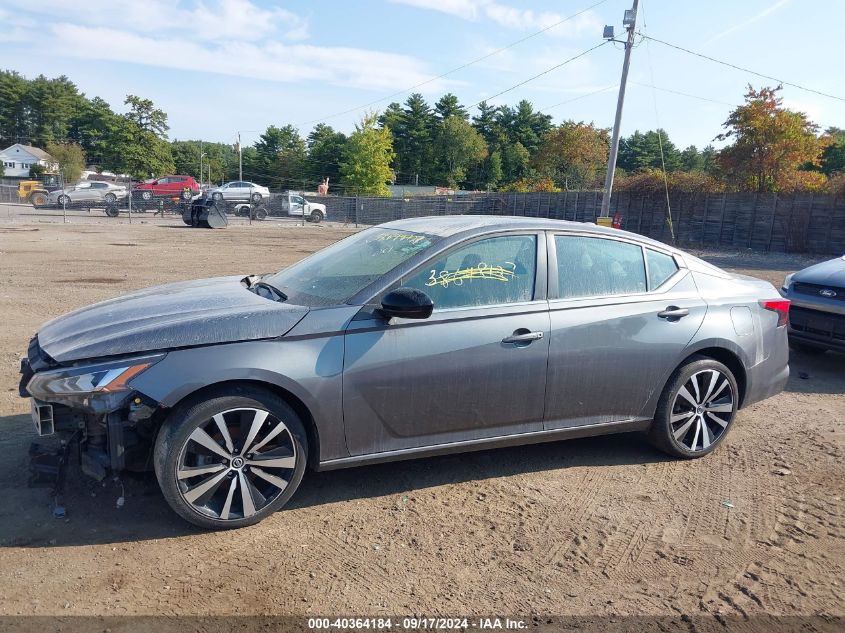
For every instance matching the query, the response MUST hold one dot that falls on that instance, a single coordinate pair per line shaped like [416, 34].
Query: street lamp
[201, 155]
[241, 152]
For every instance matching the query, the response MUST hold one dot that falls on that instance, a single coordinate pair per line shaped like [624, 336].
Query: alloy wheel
[236, 463]
[702, 410]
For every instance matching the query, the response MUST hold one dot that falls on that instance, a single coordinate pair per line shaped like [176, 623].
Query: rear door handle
[673, 312]
[522, 336]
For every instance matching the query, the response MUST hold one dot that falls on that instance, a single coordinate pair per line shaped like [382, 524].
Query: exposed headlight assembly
[99, 388]
[787, 280]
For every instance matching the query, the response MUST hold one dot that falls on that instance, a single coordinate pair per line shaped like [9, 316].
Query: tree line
[502, 148]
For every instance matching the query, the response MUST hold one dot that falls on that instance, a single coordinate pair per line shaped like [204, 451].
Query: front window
[493, 271]
[334, 274]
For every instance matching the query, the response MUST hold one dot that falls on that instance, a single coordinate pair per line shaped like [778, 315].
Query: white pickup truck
[288, 203]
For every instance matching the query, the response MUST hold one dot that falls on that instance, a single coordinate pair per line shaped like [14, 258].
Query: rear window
[596, 267]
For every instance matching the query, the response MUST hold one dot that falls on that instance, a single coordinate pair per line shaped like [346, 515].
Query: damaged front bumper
[95, 405]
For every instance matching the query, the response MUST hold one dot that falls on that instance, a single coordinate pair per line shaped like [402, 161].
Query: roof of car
[446, 226]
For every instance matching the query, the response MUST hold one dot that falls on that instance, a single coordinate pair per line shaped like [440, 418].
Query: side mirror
[407, 303]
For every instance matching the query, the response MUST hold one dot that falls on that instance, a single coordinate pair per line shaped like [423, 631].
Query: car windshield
[336, 273]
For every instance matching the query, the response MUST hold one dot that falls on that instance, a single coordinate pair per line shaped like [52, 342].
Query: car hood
[829, 273]
[184, 314]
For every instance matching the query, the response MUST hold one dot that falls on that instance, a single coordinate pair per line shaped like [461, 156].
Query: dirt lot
[596, 526]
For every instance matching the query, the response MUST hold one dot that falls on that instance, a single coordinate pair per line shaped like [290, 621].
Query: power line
[579, 97]
[540, 74]
[747, 70]
[659, 131]
[457, 68]
[683, 94]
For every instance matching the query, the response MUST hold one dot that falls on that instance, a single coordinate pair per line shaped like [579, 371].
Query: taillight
[781, 306]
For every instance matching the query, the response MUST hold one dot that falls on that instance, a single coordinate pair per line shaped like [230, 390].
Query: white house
[17, 159]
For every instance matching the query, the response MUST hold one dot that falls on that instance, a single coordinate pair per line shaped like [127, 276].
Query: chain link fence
[803, 222]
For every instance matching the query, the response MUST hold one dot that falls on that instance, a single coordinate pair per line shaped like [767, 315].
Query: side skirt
[502, 441]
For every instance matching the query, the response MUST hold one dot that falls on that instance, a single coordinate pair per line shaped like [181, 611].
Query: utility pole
[240, 159]
[629, 22]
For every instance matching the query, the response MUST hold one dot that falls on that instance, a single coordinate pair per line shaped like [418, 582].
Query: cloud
[199, 19]
[226, 37]
[762, 14]
[269, 61]
[508, 16]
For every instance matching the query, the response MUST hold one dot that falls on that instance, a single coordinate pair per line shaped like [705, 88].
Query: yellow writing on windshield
[401, 237]
[445, 278]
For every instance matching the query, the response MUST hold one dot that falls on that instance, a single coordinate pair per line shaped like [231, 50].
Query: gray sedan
[413, 338]
[817, 314]
[87, 192]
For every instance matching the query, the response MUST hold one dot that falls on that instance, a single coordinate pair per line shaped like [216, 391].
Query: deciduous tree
[770, 143]
[573, 155]
[458, 147]
[367, 156]
[70, 157]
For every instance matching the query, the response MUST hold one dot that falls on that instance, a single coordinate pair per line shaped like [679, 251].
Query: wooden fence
[805, 222]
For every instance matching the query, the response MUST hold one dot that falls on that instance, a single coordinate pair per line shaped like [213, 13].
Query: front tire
[63, 200]
[231, 458]
[696, 409]
[316, 216]
[256, 198]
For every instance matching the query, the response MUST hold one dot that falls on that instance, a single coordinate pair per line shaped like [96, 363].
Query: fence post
[640, 216]
[753, 219]
[831, 200]
[130, 199]
[356, 211]
[772, 224]
[704, 221]
[722, 218]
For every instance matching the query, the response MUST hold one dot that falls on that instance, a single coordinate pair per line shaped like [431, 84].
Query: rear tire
[256, 198]
[234, 491]
[696, 409]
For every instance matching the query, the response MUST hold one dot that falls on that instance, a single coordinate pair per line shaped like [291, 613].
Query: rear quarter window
[660, 268]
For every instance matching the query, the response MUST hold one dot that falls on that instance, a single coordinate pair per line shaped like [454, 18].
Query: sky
[219, 67]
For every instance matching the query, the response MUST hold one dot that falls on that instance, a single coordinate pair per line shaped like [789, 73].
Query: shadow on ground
[26, 519]
[813, 373]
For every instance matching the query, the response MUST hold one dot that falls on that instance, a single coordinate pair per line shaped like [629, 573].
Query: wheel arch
[296, 403]
[730, 359]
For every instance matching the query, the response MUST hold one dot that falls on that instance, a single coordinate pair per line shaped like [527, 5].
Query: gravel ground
[587, 527]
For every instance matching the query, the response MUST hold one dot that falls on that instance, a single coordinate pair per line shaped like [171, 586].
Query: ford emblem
[827, 292]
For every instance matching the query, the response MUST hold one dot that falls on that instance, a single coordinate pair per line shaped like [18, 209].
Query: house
[17, 160]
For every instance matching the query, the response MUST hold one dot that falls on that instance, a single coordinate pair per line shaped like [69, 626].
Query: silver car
[87, 192]
[413, 338]
[239, 190]
[817, 314]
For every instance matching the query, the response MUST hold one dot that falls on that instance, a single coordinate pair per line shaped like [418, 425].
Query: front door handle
[522, 336]
[673, 313]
